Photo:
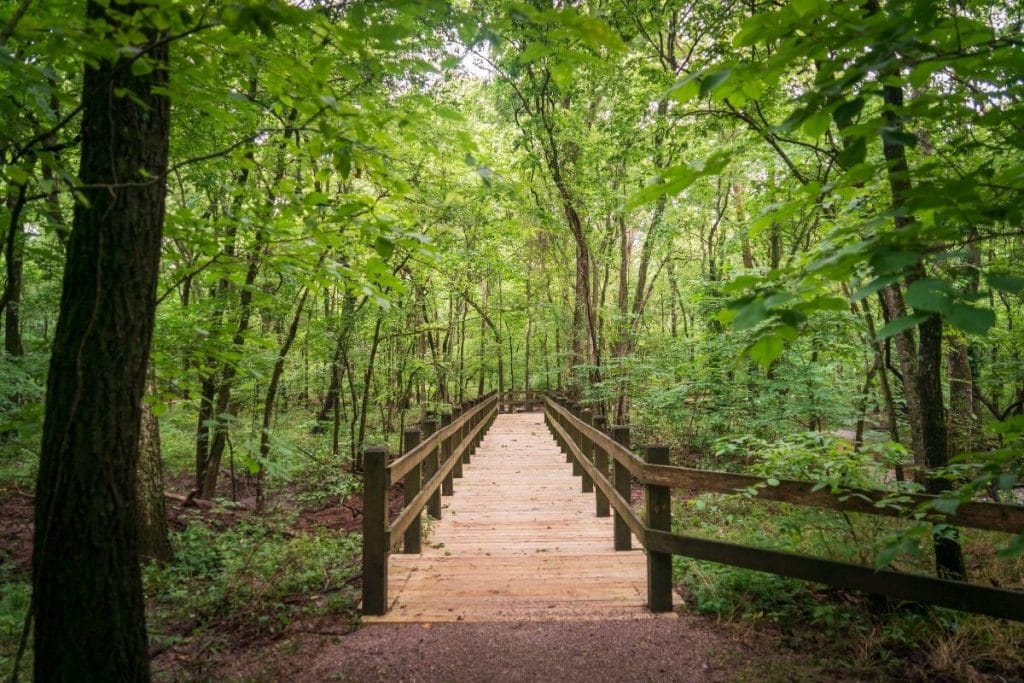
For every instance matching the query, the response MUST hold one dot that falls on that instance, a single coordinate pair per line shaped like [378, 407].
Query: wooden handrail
[624, 456]
[621, 505]
[414, 508]
[378, 534]
[659, 478]
[972, 514]
[401, 466]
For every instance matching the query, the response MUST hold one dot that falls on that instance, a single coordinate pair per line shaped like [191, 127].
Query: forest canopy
[782, 238]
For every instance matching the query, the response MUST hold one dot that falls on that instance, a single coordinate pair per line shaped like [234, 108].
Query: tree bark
[14, 251]
[154, 542]
[87, 587]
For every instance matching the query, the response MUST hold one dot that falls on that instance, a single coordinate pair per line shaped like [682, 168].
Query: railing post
[376, 544]
[413, 541]
[601, 463]
[472, 426]
[448, 485]
[430, 467]
[574, 434]
[587, 449]
[622, 481]
[659, 518]
[460, 433]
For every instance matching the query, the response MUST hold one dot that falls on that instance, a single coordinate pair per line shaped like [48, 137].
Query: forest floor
[329, 644]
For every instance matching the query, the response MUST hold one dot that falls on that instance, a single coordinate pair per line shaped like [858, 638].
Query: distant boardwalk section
[517, 542]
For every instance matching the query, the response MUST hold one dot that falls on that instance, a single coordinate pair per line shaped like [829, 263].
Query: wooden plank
[993, 602]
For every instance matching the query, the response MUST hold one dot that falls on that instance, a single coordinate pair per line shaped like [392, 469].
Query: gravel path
[687, 649]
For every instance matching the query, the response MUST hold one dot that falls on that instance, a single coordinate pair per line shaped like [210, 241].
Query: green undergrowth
[253, 579]
[862, 635]
[15, 597]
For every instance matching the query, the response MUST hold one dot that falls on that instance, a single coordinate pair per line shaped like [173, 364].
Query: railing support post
[376, 544]
[447, 485]
[659, 518]
[622, 482]
[601, 463]
[457, 438]
[587, 449]
[574, 434]
[430, 467]
[413, 541]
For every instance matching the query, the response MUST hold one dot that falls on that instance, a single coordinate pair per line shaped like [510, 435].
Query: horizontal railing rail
[589, 447]
[426, 468]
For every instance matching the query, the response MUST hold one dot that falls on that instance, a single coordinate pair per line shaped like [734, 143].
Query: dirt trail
[687, 649]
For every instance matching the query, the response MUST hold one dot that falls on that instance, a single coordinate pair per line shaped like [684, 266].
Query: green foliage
[252, 573]
[15, 598]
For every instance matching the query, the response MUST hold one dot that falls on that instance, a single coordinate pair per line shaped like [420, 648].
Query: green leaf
[805, 7]
[947, 506]
[853, 153]
[450, 113]
[1005, 282]
[930, 294]
[765, 350]
[894, 136]
[846, 112]
[894, 327]
[879, 283]
[970, 319]
[712, 81]
[384, 247]
[750, 315]
[142, 66]
[816, 124]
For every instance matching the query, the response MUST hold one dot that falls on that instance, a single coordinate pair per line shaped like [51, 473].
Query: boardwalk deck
[517, 542]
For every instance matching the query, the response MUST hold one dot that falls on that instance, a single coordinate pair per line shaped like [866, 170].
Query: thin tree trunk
[14, 251]
[154, 542]
[268, 402]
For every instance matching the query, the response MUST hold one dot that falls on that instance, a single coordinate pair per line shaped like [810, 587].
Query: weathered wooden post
[376, 543]
[574, 436]
[413, 481]
[587, 449]
[659, 518]
[622, 481]
[447, 485]
[430, 467]
[460, 434]
[601, 463]
[471, 427]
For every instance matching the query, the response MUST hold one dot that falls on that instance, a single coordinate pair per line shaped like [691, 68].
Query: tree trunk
[87, 587]
[14, 251]
[949, 559]
[154, 543]
[268, 402]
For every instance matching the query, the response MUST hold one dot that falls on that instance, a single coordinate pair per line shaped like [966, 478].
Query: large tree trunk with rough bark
[87, 587]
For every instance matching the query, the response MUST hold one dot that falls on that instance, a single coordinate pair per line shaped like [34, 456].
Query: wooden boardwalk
[517, 542]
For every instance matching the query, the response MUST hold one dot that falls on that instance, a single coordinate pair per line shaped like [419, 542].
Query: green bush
[253, 571]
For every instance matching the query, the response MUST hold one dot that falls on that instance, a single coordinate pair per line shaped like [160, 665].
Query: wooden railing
[583, 438]
[431, 458]
[521, 401]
